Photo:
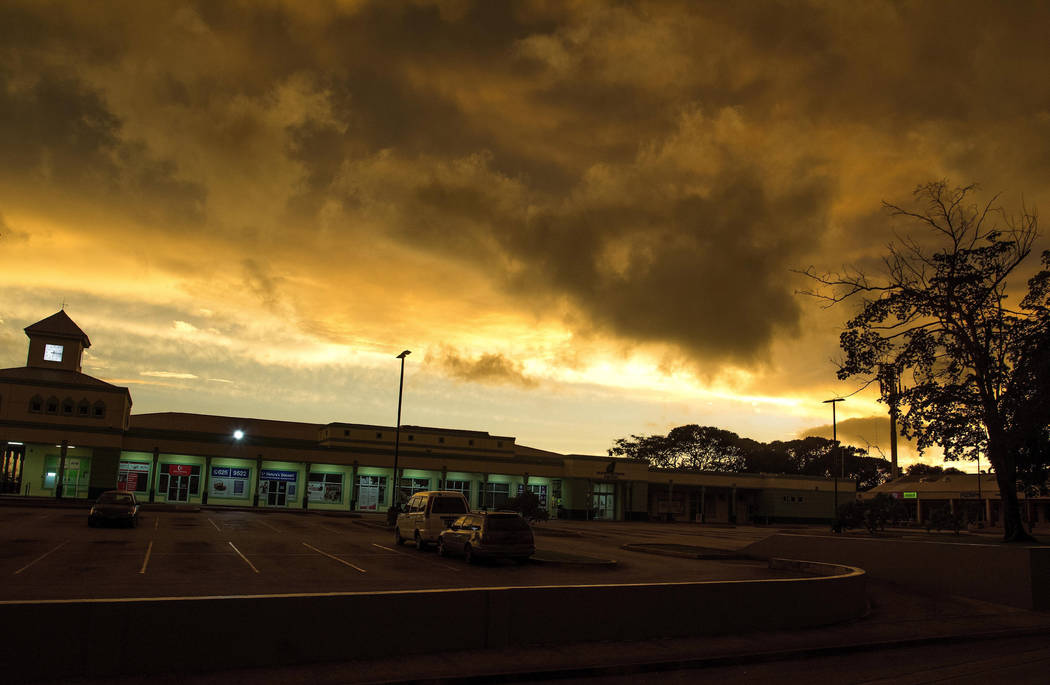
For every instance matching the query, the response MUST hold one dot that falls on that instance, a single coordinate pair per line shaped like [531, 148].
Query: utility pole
[842, 468]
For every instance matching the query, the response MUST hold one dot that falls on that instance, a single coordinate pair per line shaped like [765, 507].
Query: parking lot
[51, 553]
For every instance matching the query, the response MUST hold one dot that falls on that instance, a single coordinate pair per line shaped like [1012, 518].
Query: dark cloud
[488, 368]
[650, 171]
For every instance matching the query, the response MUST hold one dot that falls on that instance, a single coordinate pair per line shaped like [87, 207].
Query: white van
[427, 514]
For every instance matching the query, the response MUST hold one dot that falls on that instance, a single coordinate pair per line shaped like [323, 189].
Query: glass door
[179, 489]
[277, 493]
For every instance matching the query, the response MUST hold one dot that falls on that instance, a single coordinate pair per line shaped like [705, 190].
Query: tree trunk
[1006, 477]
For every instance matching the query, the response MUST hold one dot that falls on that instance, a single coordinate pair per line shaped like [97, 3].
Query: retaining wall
[1012, 575]
[58, 639]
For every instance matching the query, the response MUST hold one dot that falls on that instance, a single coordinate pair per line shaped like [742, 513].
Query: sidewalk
[897, 618]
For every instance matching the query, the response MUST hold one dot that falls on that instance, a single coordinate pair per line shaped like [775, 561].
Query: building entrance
[11, 463]
[178, 488]
[276, 493]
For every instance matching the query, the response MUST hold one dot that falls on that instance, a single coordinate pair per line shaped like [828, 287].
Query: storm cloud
[644, 173]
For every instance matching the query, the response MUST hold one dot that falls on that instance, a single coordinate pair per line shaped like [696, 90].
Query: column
[61, 469]
[484, 489]
[670, 500]
[306, 487]
[732, 504]
[153, 474]
[918, 511]
[444, 477]
[354, 490]
[258, 479]
[205, 479]
[703, 506]
[988, 511]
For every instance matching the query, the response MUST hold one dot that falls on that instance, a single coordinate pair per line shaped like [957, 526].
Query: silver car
[488, 535]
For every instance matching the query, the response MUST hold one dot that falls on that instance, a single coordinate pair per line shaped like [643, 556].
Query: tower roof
[58, 325]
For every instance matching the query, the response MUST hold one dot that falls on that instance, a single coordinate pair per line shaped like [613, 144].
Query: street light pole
[835, 439]
[396, 494]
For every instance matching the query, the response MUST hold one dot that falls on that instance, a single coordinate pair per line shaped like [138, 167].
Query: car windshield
[115, 498]
[448, 505]
[507, 522]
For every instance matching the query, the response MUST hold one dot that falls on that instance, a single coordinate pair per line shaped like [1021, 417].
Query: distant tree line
[707, 448]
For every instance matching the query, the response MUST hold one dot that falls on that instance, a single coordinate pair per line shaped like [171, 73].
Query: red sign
[132, 482]
[180, 469]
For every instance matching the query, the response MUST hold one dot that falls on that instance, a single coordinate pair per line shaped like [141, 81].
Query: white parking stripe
[39, 558]
[215, 524]
[332, 556]
[419, 557]
[242, 556]
[273, 528]
[149, 550]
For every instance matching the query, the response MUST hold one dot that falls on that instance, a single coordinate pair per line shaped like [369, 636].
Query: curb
[574, 560]
[733, 659]
[701, 553]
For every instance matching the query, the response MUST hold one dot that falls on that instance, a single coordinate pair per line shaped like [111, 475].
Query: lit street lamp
[842, 467]
[396, 495]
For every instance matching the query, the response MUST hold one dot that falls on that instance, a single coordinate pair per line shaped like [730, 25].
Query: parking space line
[330, 529]
[273, 528]
[39, 558]
[149, 550]
[413, 556]
[332, 556]
[242, 556]
[215, 524]
[156, 522]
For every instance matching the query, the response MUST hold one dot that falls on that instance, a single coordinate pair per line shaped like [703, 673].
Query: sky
[584, 219]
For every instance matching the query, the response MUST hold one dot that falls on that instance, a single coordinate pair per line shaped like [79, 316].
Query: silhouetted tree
[697, 448]
[939, 313]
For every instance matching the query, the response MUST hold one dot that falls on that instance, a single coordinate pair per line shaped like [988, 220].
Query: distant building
[66, 434]
[973, 497]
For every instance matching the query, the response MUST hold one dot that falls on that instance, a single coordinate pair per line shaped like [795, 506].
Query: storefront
[280, 484]
[326, 487]
[230, 483]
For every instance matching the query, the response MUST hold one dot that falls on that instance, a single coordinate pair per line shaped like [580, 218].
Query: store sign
[228, 472]
[134, 466]
[273, 474]
[911, 495]
[72, 464]
[227, 481]
[180, 469]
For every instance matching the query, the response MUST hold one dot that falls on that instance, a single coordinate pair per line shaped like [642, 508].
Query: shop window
[371, 492]
[49, 480]
[410, 486]
[460, 486]
[52, 405]
[67, 407]
[99, 410]
[496, 495]
[539, 490]
[36, 405]
[325, 487]
[84, 408]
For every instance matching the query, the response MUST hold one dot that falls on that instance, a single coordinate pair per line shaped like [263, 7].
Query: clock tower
[56, 343]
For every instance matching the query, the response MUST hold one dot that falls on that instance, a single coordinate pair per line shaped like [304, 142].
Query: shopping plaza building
[65, 434]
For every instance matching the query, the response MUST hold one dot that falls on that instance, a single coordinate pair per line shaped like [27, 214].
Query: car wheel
[398, 540]
[468, 554]
[442, 551]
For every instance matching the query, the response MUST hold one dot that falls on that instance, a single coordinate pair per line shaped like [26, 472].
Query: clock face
[52, 353]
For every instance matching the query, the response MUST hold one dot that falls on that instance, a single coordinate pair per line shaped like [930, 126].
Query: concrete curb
[666, 551]
[549, 558]
[717, 661]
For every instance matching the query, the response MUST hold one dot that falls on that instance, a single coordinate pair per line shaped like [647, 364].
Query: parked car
[487, 535]
[427, 514]
[115, 506]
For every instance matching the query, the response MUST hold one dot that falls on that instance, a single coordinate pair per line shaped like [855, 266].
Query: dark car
[488, 534]
[115, 506]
